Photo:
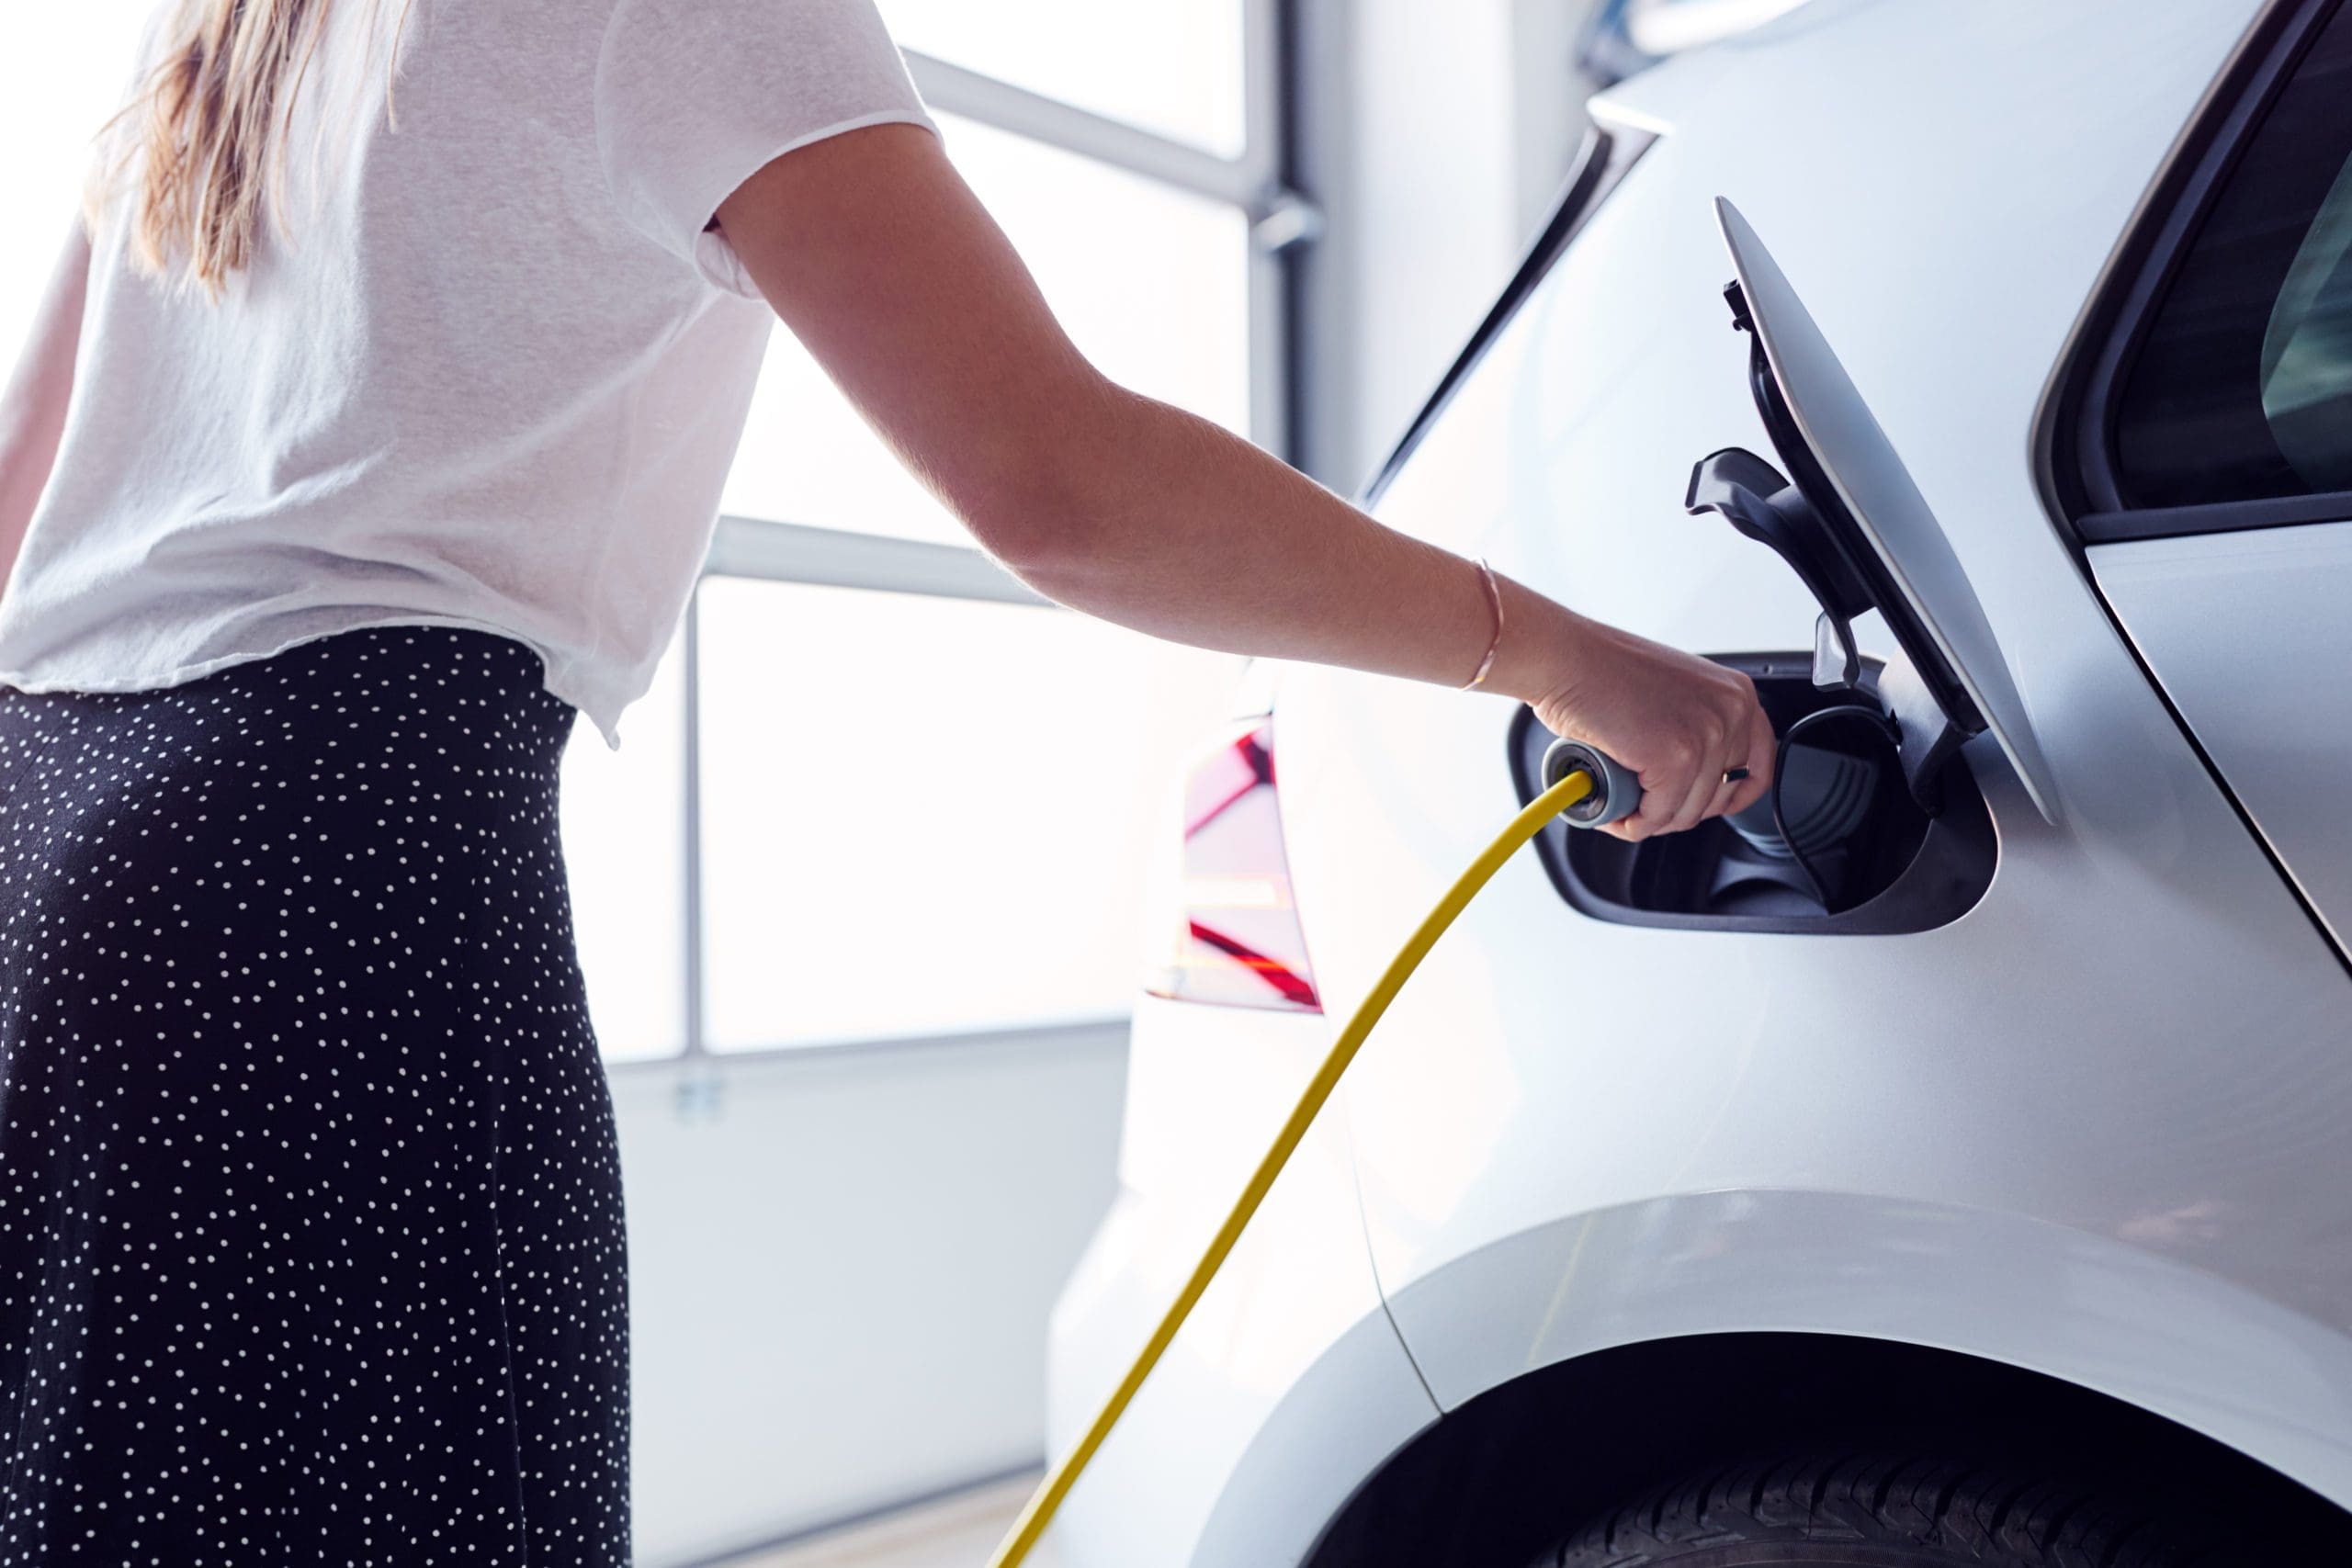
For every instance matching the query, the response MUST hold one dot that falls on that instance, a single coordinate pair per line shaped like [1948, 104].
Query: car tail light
[1236, 938]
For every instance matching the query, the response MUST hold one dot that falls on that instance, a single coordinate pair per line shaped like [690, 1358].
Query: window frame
[806, 551]
[2077, 464]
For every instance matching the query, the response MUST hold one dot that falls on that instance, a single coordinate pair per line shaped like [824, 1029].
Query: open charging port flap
[1807, 523]
[1875, 823]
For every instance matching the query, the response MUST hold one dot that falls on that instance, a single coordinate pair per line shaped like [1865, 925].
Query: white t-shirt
[491, 372]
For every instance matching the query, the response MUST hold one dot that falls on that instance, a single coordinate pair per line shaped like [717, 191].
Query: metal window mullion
[836, 558]
[1050, 1032]
[1269, 298]
[1263, 96]
[1280, 220]
[1248, 181]
[697, 1043]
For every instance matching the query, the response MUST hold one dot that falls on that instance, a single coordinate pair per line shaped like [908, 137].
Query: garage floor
[957, 1533]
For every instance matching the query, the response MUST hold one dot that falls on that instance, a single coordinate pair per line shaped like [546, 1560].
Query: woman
[376, 426]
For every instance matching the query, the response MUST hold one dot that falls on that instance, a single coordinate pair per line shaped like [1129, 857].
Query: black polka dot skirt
[311, 1226]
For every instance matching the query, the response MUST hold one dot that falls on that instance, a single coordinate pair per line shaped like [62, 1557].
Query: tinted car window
[2243, 386]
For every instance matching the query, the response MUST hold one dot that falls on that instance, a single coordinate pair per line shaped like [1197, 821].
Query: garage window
[2241, 389]
[881, 791]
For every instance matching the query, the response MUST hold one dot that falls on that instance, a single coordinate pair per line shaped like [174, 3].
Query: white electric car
[1960, 1170]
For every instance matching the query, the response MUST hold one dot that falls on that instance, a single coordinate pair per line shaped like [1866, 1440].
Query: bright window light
[928, 816]
[64, 72]
[1173, 66]
[624, 850]
[1150, 282]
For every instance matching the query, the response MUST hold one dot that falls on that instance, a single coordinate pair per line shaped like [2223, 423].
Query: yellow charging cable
[1046, 1501]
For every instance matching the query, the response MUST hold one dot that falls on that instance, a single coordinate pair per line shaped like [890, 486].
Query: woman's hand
[1679, 722]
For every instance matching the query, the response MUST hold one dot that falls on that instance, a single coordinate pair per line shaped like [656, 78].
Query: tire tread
[1952, 1512]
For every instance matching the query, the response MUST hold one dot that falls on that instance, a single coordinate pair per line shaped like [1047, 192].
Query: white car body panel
[1288, 1385]
[2251, 637]
[2094, 1127]
[2099, 1312]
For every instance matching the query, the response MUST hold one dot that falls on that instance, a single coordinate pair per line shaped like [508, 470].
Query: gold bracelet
[1495, 594]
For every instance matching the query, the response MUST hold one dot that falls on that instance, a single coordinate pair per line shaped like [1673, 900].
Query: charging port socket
[1855, 851]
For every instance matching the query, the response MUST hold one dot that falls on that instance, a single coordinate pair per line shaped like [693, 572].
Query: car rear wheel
[1873, 1513]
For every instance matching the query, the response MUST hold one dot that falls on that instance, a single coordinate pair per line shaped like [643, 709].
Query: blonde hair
[207, 128]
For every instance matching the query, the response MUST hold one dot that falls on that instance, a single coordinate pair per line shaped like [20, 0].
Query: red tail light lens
[1236, 940]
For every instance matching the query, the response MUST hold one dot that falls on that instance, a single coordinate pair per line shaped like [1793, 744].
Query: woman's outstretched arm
[882, 262]
[32, 409]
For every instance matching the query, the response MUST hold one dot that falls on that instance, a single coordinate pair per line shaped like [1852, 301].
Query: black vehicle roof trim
[2218, 517]
[1601, 161]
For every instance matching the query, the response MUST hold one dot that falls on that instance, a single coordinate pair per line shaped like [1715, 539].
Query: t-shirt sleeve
[694, 97]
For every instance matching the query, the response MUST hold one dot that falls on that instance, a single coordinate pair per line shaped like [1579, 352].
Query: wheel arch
[1490, 1483]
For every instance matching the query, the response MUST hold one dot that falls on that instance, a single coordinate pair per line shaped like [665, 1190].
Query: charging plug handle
[1616, 791]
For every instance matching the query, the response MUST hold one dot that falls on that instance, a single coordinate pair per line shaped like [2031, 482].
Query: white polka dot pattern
[310, 1229]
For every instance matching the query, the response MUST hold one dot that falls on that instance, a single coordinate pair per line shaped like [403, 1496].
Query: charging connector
[1616, 792]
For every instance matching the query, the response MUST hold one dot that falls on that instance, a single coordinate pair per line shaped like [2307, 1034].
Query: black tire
[1873, 1513]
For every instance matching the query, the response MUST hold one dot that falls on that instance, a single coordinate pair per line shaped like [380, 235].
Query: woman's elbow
[1048, 504]
[1037, 528]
